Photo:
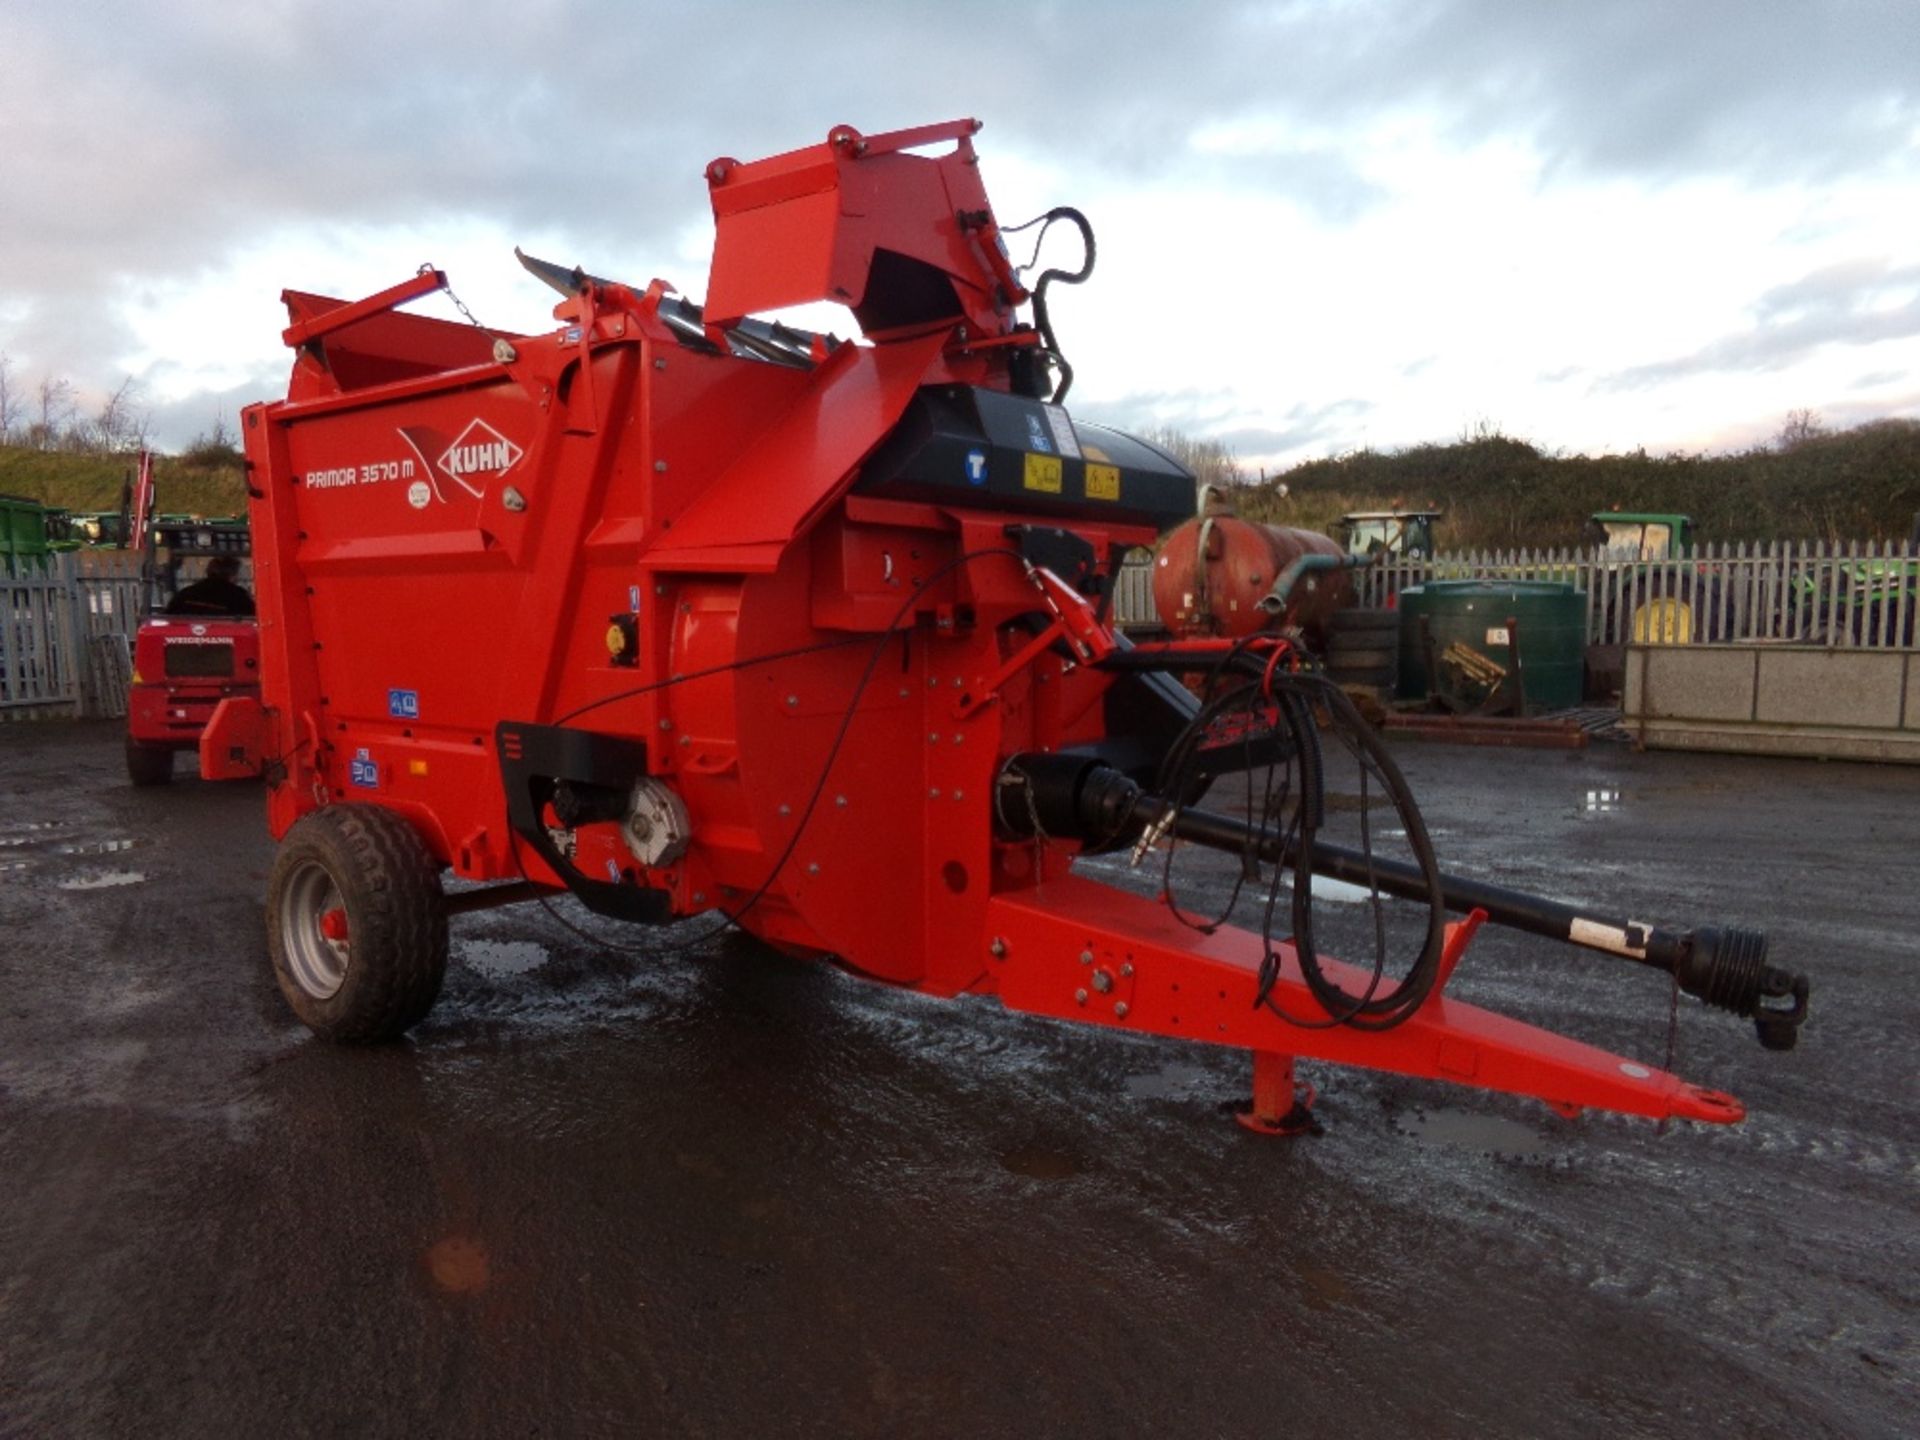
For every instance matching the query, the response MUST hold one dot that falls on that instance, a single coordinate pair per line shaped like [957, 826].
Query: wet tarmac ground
[719, 1193]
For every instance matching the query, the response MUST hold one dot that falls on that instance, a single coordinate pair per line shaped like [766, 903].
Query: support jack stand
[1281, 1104]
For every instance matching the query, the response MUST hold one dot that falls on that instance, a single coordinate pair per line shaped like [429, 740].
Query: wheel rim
[317, 959]
[1663, 622]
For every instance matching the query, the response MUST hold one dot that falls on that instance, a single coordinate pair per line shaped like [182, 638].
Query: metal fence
[66, 631]
[1839, 593]
[1853, 594]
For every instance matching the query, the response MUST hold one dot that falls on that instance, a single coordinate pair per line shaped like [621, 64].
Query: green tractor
[1664, 609]
[1642, 535]
[1392, 533]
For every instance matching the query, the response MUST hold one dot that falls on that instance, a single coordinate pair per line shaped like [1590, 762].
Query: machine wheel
[356, 923]
[1368, 629]
[1666, 621]
[1363, 648]
[148, 764]
[1359, 657]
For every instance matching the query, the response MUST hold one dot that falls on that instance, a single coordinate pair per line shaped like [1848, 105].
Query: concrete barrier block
[1913, 690]
[1830, 687]
[1690, 682]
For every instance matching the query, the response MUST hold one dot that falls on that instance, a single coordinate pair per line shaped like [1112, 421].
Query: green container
[23, 532]
[1547, 619]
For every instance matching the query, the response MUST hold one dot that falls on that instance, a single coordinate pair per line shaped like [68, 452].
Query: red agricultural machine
[197, 648]
[682, 611]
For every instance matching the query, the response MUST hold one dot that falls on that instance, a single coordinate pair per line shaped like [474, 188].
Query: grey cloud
[176, 423]
[1209, 416]
[498, 106]
[148, 141]
[1858, 303]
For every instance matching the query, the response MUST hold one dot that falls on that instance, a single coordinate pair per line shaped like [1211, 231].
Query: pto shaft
[1724, 966]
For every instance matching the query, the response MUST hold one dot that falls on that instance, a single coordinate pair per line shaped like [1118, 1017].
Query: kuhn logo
[481, 451]
[479, 454]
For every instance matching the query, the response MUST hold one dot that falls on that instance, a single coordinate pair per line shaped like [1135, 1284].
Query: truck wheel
[148, 764]
[356, 923]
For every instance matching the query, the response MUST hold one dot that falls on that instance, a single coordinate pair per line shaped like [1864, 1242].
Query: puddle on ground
[1602, 802]
[502, 959]
[1169, 1082]
[1036, 1162]
[30, 832]
[1339, 891]
[1465, 1130]
[102, 880]
[95, 847]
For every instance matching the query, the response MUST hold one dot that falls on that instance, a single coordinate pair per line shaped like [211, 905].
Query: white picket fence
[1854, 594]
[66, 630]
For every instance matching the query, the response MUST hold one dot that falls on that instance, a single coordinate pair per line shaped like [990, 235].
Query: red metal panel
[1201, 987]
[763, 501]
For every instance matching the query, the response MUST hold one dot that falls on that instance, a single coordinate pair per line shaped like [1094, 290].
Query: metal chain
[458, 303]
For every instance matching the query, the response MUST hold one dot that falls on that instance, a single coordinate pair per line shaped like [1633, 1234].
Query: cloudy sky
[1323, 225]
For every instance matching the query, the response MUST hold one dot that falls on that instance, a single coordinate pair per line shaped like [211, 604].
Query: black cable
[600, 942]
[1041, 320]
[1295, 814]
[711, 670]
[894, 627]
[1371, 1011]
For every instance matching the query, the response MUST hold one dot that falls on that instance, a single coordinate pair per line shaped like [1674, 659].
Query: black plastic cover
[959, 445]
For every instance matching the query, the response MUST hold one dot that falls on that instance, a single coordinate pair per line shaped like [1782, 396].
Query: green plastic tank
[23, 533]
[1547, 618]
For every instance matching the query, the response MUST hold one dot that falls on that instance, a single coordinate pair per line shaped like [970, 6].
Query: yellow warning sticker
[1103, 482]
[1043, 473]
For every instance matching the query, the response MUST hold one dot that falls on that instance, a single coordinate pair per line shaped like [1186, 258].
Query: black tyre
[148, 764]
[356, 923]
[1371, 624]
[1354, 657]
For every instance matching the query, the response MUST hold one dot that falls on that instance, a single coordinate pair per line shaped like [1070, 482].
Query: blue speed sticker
[363, 771]
[403, 704]
[976, 467]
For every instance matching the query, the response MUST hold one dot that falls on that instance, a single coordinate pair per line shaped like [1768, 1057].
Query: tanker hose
[1274, 602]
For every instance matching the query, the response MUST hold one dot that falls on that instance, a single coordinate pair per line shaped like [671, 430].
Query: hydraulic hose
[1041, 320]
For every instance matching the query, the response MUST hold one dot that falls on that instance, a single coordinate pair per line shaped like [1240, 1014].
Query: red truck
[191, 653]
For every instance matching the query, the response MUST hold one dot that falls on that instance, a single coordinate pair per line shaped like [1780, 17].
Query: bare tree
[9, 399]
[214, 447]
[1212, 461]
[1800, 427]
[121, 423]
[54, 405]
